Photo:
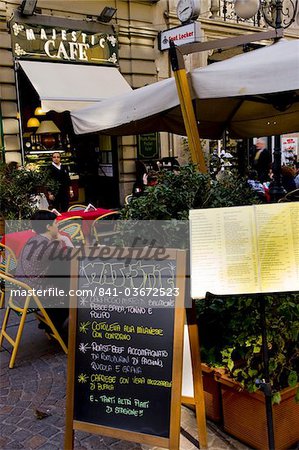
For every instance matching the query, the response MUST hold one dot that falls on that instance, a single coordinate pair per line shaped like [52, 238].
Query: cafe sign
[148, 146]
[58, 44]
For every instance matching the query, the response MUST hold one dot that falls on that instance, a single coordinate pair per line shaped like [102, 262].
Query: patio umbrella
[253, 94]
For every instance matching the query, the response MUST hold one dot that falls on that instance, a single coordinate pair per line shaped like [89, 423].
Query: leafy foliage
[178, 192]
[229, 326]
[230, 332]
[17, 191]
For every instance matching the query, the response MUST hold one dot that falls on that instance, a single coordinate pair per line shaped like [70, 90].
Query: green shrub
[178, 192]
[230, 332]
[17, 191]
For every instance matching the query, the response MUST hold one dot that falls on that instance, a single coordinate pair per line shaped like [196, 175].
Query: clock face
[186, 10]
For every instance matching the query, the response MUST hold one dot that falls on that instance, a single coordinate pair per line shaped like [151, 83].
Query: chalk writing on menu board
[124, 344]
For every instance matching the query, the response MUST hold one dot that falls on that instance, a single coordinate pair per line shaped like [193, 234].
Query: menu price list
[124, 355]
[245, 249]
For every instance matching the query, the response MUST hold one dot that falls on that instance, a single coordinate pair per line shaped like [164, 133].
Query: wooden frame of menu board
[193, 358]
[169, 438]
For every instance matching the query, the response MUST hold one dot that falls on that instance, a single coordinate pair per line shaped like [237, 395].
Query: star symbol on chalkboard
[83, 347]
[172, 267]
[83, 301]
[82, 378]
[83, 328]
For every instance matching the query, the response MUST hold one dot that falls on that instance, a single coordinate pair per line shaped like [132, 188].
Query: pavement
[32, 402]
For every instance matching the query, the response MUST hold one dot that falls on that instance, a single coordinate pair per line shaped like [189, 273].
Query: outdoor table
[87, 218]
[17, 240]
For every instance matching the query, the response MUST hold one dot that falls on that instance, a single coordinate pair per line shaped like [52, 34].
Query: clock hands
[183, 10]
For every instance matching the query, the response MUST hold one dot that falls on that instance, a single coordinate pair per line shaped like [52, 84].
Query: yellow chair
[71, 223]
[77, 207]
[22, 311]
[74, 232]
[104, 227]
[128, 199]
[8, 264]
[292, 196]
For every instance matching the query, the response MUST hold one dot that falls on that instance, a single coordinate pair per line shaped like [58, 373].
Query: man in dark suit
[59, 173]
[262, 160]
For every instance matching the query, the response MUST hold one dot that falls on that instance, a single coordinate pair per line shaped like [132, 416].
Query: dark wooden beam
[186, 49]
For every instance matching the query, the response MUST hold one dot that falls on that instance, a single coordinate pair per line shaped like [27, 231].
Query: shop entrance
[92, 160]
[98, 169]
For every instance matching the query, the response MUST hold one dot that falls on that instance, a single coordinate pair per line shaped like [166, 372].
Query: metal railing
[225, 9]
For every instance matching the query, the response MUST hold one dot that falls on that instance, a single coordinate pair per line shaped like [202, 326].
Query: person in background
[138, 189]
[148, 179]
[262, 160]
[297, 174]
[12, 166]
[11, 170]
[42, 267]
[152, 178]
[59, 173]
[256, 185]
[288, 178]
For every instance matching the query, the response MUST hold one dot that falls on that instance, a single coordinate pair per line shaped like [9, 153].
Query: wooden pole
[199, 399]
[189, 118]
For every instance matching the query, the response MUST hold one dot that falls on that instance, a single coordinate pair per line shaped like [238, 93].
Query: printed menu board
[125, 371]
[245, 249]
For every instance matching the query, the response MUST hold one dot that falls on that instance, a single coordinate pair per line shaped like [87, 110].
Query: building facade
[108, 163]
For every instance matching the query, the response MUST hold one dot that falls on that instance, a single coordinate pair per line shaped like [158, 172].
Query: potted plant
[18, 188]
[230, 332]
[229, 327]
[170, 200]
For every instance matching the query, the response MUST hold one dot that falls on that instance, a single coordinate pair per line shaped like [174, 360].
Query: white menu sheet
[244, 249]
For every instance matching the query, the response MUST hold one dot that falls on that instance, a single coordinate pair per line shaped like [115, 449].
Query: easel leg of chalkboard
[199, 399]
[69, 438]
[69, 430]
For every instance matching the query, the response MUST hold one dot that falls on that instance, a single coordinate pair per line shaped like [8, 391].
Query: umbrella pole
[276, 189]
[178, 66]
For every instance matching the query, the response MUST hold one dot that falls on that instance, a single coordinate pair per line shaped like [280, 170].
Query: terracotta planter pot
[212, 392]
[244, 416]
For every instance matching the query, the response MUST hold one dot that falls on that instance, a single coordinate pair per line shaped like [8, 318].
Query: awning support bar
[189, 118]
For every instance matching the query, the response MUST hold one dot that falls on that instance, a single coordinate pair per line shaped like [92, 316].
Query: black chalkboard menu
[125, 346]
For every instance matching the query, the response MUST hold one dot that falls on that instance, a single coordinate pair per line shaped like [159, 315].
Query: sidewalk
[37, 385]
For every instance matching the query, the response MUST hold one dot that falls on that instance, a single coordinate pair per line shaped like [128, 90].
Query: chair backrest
[68, 220]
[292, 196]
[71, 225]
[104, 225]
[8, 260]
[128, 199]
[73, 230]
[77, 207]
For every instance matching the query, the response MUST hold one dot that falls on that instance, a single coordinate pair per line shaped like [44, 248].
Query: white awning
[70, 87]
[253, 94]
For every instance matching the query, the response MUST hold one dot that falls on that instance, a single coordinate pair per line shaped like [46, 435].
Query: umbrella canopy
[253, 94]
